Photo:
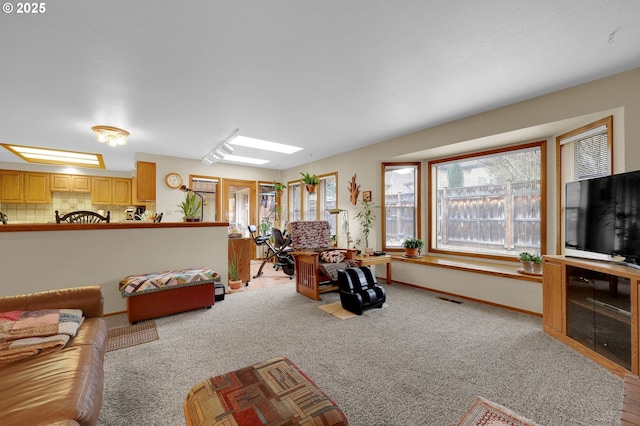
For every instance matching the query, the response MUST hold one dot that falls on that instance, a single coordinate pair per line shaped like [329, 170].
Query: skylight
[248, 160]
[56, 157]
[265, 145]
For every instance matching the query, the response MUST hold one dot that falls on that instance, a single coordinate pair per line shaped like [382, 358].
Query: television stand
[592, 306]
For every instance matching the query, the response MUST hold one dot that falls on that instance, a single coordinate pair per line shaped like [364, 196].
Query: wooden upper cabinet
[36, 188]
[60, 183]
[145, 181]
[121, 191]
[11, 189]
[70, 183]
[100, 190]
[81, 183]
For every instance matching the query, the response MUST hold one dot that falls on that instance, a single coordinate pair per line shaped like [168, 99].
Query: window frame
[417, 197]
[432, 204]
[560, 183]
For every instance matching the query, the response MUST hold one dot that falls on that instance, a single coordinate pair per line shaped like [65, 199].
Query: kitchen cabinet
[111, 191]
[11, 189]
[121, 191]
[24, 187]
[100, 190]
[145, 181]
[36, 188]
[70, 183]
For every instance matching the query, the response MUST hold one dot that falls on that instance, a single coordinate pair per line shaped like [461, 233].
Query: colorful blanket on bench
[24, 334]
[134, 285]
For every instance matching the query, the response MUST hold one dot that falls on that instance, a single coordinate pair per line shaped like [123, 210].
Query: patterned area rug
[131, 335]
[486, 413]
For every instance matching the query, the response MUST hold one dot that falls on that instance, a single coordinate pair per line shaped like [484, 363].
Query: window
[401, 210]
[582, 153]
[327, 194]
[305, 205]
[207, 187]
[267, 207]
[295, 200]
[489, 204]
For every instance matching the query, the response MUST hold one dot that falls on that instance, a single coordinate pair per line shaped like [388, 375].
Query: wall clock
[173, 180]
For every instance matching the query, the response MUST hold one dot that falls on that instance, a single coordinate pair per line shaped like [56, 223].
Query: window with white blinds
[585, 153]
[591, 155]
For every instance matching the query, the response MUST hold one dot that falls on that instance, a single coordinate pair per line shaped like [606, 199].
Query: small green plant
[190, 206]
[413, 243]
[277, 186]
[309, 179]
[531, 257]
[265, 226]
[234, 274]
[365, 218]
[525, 256]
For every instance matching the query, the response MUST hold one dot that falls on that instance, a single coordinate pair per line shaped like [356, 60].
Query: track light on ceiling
[221, 150]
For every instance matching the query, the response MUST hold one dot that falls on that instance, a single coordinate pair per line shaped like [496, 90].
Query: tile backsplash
[64, 202]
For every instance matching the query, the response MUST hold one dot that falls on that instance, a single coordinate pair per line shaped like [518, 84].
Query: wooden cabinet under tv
[592, 306]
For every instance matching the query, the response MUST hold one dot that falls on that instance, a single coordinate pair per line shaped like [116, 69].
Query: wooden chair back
[83, 216]
[3, 218]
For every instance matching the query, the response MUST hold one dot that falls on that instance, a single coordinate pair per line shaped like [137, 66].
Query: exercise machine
[279, 250]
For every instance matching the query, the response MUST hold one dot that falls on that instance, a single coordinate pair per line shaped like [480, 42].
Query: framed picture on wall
[366, 196]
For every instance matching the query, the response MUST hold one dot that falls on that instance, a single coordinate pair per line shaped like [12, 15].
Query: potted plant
[235, 283]
[279, 187]
[365, 218]
[310, 181]
[190, 207]
[412, 246]
[531, 263]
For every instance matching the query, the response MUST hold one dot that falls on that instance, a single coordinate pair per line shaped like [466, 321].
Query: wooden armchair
[316, 262]
[83, 216]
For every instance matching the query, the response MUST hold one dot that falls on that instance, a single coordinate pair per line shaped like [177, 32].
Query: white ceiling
[326, 75]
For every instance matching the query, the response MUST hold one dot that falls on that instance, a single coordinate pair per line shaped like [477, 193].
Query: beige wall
[47, 260]
[168, 198]
[541, 118]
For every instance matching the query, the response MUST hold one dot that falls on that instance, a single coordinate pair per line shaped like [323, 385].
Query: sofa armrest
[89, 299]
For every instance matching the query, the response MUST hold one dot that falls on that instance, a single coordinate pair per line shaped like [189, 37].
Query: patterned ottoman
[165, 293]
[274, 392]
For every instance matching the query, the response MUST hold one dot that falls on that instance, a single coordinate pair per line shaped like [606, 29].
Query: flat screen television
[602, 218]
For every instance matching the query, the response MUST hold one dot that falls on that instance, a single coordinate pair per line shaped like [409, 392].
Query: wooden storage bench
[158, 294]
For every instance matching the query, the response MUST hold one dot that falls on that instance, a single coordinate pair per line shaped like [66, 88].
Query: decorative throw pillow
[332, 256]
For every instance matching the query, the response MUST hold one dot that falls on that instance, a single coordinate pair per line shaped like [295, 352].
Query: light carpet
[131, 335]
[422, 361]
[486, 413]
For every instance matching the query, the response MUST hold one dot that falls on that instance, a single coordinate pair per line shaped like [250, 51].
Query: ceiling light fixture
[36, 155]
[221, 150]
[112, 136]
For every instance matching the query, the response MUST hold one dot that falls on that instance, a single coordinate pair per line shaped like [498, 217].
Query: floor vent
[450, 300]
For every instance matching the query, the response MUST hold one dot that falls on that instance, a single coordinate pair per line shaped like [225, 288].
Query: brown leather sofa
[63, 387]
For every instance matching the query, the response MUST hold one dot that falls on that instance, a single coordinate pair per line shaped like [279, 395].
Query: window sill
[496, 269]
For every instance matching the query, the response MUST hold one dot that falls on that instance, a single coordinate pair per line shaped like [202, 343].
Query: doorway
[238, 198]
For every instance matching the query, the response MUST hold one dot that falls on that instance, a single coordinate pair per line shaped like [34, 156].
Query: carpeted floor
[420, 361]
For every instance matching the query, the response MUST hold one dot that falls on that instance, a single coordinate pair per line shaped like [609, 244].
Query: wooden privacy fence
[504, 217]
